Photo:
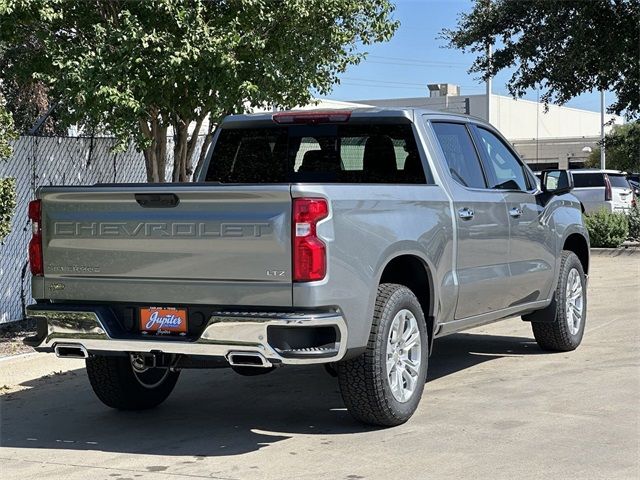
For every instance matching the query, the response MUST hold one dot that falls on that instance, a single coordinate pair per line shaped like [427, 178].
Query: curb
[616, 252]
[18, 356]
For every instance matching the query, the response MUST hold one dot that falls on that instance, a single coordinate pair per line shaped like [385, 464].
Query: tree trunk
[204, 148]
[155, 155]
[180, 139]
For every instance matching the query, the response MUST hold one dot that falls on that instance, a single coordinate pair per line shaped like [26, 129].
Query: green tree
[564, 47]
[143, 69]
[622, 148]
[7, 185]
[28, 100]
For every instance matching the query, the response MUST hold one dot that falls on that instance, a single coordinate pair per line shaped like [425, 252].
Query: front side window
[460, 154]
[328, 153]
[503, 168]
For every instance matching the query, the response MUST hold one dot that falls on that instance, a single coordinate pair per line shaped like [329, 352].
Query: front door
[532, 244]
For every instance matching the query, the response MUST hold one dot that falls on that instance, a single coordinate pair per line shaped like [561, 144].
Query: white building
[560, 137]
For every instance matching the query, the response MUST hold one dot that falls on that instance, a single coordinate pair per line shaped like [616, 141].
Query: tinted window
[618, 181]
[460, 154]
[365, 153]
[503, 169]
[582, 180]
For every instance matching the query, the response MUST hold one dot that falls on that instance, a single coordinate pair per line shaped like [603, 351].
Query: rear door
[532, 244]
[169, 244]
[589, 188]
[483, 228]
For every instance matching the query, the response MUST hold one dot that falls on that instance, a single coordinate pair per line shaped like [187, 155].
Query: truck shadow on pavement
[213, 412]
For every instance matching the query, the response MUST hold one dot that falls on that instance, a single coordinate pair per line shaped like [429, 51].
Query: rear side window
[618, 181]
[353, 153]
[460, 154]
[583, 180]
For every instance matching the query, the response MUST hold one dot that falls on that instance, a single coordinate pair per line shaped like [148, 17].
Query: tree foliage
[565, 47]
[144, 69]
[27, 100]
[622, 148]
[7, 185]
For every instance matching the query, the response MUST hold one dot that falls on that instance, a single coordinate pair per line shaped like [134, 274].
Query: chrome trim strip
[226, 332]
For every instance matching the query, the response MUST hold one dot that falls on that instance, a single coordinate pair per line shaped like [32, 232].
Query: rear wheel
[563, 328]
[383, 386]
[119, 385]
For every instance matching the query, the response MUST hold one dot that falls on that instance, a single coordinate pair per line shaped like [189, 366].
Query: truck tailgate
[168, 244]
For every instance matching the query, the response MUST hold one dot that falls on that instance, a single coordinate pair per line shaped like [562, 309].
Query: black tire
[114, 382]
[364, 379]
[553, 333]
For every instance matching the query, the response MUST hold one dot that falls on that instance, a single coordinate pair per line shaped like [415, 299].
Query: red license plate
[163, 320]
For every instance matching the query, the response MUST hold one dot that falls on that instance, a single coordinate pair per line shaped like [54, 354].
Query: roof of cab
[356, 113]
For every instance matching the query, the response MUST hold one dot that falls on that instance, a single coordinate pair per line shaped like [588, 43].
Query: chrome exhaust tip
[248, 359]
[70, 351]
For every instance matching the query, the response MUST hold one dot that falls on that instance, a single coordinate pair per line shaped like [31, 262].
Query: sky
[415, 57]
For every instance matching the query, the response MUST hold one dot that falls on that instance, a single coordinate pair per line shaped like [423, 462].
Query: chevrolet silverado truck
[350, 238]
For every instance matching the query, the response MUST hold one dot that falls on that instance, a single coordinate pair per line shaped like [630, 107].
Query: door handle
[515, 212]
[465, 213]
[157, 200]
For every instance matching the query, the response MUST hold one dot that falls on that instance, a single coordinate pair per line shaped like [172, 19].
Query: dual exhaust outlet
[235, 359]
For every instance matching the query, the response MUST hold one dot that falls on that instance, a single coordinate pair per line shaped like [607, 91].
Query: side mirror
[556, 182]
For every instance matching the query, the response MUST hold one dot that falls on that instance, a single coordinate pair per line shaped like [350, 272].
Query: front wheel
[383, 386]
[563, 327]
[118, 385]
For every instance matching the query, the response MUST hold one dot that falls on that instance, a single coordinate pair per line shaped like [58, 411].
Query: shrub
[7, 204]
[634, 222]
[607, 229]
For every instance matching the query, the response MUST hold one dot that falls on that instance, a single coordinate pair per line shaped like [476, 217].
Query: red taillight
[607, 188]
[309, 252]
[35, 245]
[329, 116]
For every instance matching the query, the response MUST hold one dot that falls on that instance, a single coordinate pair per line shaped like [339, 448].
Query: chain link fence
[41, 161]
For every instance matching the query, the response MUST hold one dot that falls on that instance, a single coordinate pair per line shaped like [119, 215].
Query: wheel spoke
[410, 379]
[412, 367]
[412, 340]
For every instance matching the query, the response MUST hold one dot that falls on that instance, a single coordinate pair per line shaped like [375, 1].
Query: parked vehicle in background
[602, 189]
[347, 237]
[634, 181]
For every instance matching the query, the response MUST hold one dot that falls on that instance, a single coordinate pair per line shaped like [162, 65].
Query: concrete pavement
[495, 407]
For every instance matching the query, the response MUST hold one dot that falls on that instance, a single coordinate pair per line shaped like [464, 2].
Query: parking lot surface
[495, 407]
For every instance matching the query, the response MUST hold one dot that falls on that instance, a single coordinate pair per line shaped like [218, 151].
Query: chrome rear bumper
[224, 333]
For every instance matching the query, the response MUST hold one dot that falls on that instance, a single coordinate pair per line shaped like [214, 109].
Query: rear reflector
[329, 116]
[309, 252]
[35, 244]
[607, 189]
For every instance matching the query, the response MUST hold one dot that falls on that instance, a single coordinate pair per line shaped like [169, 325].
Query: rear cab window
[366, 152]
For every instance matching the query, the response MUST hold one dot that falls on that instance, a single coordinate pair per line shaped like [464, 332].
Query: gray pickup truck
[347, 238]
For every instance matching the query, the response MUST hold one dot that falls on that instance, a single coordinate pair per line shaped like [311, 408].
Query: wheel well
[577, 244]
[411, 271]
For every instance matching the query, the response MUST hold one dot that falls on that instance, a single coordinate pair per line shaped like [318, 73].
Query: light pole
[489, 54]
[603, 160]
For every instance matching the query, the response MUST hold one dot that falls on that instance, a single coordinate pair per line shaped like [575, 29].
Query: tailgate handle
[157, 200]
